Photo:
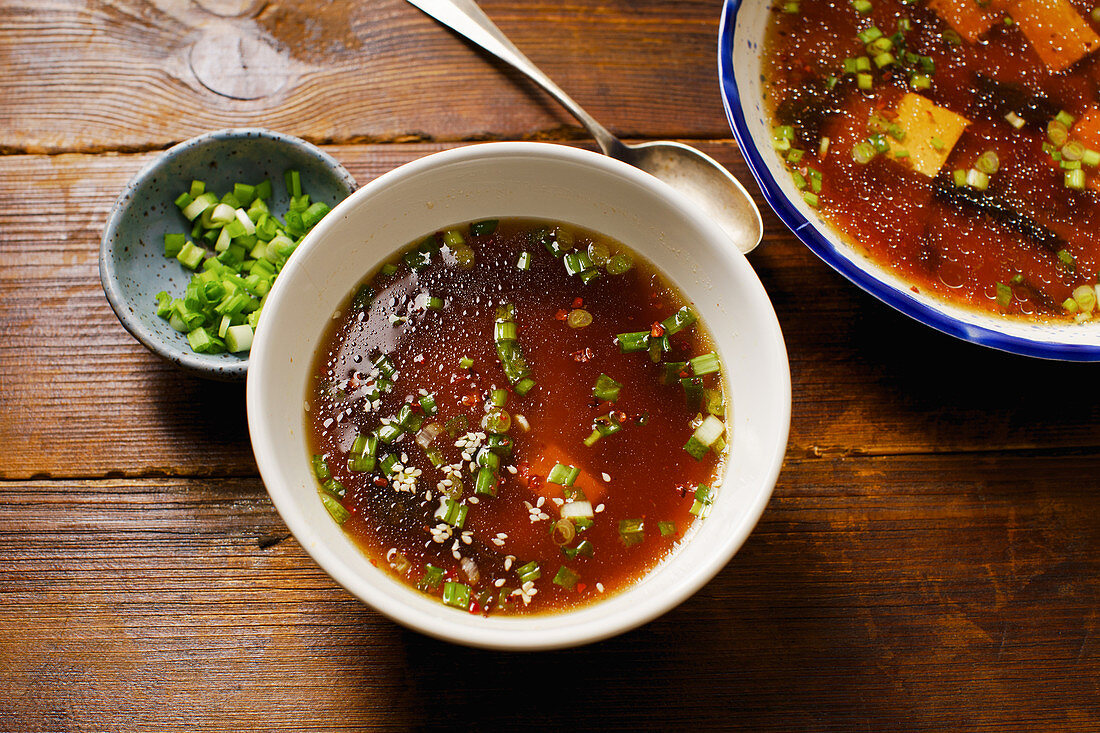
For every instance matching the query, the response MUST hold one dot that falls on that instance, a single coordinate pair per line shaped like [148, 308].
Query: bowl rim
[205, 365]
[531, 637]
[820, 245]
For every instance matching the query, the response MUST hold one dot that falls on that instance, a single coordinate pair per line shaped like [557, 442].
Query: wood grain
[928, 562]
[868, 597]
[74, 383]
[140, 74]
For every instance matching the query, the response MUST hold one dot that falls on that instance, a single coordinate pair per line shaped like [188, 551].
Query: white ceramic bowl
[533, 180]
[740, 40]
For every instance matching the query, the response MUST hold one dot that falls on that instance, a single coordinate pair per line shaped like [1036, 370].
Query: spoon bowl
[701, 178]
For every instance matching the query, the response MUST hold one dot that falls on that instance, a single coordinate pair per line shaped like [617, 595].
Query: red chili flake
[353, 383]
[524, 469]
[561, 315]
[583, 355]
[475, 607]
[581, 587]
[381, 481]
[915, 289]
[471, 399]
[657, 330]
[374, 563]
[683, 490]
[621, 416]
[535, 482]
[578, 302]
[684, 373]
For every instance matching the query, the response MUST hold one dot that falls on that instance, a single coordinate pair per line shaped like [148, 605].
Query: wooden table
[929, 559]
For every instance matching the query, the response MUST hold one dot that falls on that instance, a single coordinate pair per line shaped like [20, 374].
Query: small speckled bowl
[132, 265]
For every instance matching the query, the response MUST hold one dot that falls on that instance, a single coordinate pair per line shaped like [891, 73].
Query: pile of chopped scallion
[237, 247]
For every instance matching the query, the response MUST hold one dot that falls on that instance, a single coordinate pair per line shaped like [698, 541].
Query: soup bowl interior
[740, 66]
[529, 180]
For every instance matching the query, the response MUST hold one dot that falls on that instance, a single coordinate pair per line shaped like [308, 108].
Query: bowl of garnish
[195, 241]
[941, 156]
[519, 396]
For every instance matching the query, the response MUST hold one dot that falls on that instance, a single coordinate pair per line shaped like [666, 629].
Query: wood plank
[886, 593]
[140, 74]
[83, 399]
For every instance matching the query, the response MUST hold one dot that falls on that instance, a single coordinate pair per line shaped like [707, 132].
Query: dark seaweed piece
[808, 105]
[997, 98]
[996, 208]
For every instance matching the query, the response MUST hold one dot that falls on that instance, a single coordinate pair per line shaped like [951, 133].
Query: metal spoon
[693, 173]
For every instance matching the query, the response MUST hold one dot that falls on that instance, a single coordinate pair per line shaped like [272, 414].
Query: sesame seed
[599, 587]
[606, 477]
[474, 500]
[599, 508]
[498, 582]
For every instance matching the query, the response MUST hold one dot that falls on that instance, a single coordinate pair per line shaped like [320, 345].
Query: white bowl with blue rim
[740, 66]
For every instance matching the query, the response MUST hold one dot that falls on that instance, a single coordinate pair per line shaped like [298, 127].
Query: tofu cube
[930, 133]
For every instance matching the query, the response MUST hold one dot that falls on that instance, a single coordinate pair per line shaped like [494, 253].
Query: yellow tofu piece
[1055, 30]
[969, 19]
[930, 133]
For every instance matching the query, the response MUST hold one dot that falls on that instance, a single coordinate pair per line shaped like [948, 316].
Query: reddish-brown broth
[890, 211]
[651, 476]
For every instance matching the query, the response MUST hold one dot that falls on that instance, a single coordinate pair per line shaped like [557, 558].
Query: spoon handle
[467, 19]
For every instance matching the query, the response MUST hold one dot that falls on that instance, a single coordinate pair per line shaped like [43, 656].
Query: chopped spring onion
[705, 364]
[667, 528]
[486, 481]
[703, 499]
[563, 475]
[679, 320]
[427, 404]
[566, 578]
[332, 487]
[529, 572]
[584, 547]
[499, 397]
[1075, 180]
[1004, 295]
[451, 512]
[606, 389]
[863, 153]
[1066, 259]
[631, 531]
[1085, 295]
[456, 594]
[431, 579]
[320, 468]
[977, 180]
[465, 362]
[486, 226]
[578, 318]
[705, 436]
[619, 264]
[633, 341]
[577, 508]
[988, 162]
[713, 402]
[563, 532]
[497, 420]
[524, 262]
[335, 509]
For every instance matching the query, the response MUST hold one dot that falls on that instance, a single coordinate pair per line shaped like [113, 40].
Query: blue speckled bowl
[739, 70]
[132, 265]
